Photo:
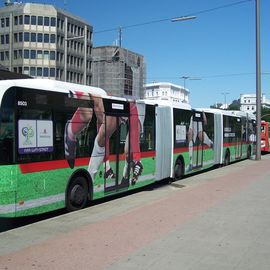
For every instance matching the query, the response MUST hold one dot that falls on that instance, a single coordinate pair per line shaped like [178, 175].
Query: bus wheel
[178, 170]
[227, 159]
[77, 194]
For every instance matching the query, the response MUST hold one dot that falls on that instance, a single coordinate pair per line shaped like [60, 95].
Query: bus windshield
[7, 129]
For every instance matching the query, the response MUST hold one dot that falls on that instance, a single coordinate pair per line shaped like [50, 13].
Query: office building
[43, 41]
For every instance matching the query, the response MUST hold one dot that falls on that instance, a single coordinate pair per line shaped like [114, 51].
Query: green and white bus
[62, 144]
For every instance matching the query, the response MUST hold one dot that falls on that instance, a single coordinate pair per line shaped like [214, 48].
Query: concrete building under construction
[118, 71]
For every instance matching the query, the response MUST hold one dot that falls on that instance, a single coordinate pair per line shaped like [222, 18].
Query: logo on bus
[28, 133]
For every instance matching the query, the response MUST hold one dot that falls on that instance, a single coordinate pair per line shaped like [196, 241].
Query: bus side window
[32, 115]
[147, 135]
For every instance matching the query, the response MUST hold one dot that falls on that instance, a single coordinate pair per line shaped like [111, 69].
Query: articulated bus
[265, 134]
[62, 144]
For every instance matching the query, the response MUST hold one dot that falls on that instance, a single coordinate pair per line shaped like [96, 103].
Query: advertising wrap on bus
[63, 145]
[35, 136]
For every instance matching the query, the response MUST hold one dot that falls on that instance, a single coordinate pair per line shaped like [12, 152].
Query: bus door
[239, 133]
[117, 147]
[197, 123]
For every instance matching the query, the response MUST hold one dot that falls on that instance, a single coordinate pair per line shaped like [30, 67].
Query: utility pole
[258, 83]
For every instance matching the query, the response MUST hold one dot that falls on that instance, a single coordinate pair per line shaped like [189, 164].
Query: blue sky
[218, 46]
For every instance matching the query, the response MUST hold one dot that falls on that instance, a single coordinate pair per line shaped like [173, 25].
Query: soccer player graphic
[100, 152]
[196, 131]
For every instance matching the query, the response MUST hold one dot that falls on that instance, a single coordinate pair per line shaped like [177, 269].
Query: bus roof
[168, 103]
[49, 85]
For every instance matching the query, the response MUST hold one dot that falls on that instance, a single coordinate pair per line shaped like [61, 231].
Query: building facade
[166, 91]
[248, 102]
[118, 71]
[45, 42]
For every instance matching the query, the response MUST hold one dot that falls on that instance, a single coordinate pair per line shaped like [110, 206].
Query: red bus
[265, 133]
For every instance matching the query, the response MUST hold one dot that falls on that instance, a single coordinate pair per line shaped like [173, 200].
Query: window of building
[33, 54]
[40, 37]
[20, 37]
[2, 56]
[46, 21]
[26, 36]
[26, 54]
[53, 21]
[45, 72]
[52, 38]
[2, 39]
[33, 37]
[7, 55]
[20, 54]
[26, 70]
[15, 54]
[16, 19]
[52, 72]
[7, 22]
[39, 71]
[52, 55]
[32, 71]
[39, 54]
[7, 38]
[21, 20]
[46, 38]
[46, 55]
[3, 22]
[15, 37]
[33, 20]
[26, 19]
[40, 20]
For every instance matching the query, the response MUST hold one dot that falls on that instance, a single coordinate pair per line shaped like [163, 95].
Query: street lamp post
[189, 78]
[225, 100]
[184, 78]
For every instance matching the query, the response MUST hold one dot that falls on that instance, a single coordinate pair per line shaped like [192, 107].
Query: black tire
[77, 194]
[227, 159]
[178, 170]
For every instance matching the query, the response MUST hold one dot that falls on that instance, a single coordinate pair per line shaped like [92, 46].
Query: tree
[265, 114]
[216, 106]
[235, 105]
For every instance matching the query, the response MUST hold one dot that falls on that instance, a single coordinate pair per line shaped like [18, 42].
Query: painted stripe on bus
[11, 208]
[62, 164]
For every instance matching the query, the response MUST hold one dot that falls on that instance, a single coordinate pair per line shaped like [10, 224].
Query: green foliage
[265, 114]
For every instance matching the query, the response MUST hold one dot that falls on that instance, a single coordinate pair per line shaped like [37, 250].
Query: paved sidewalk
[218, 220]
